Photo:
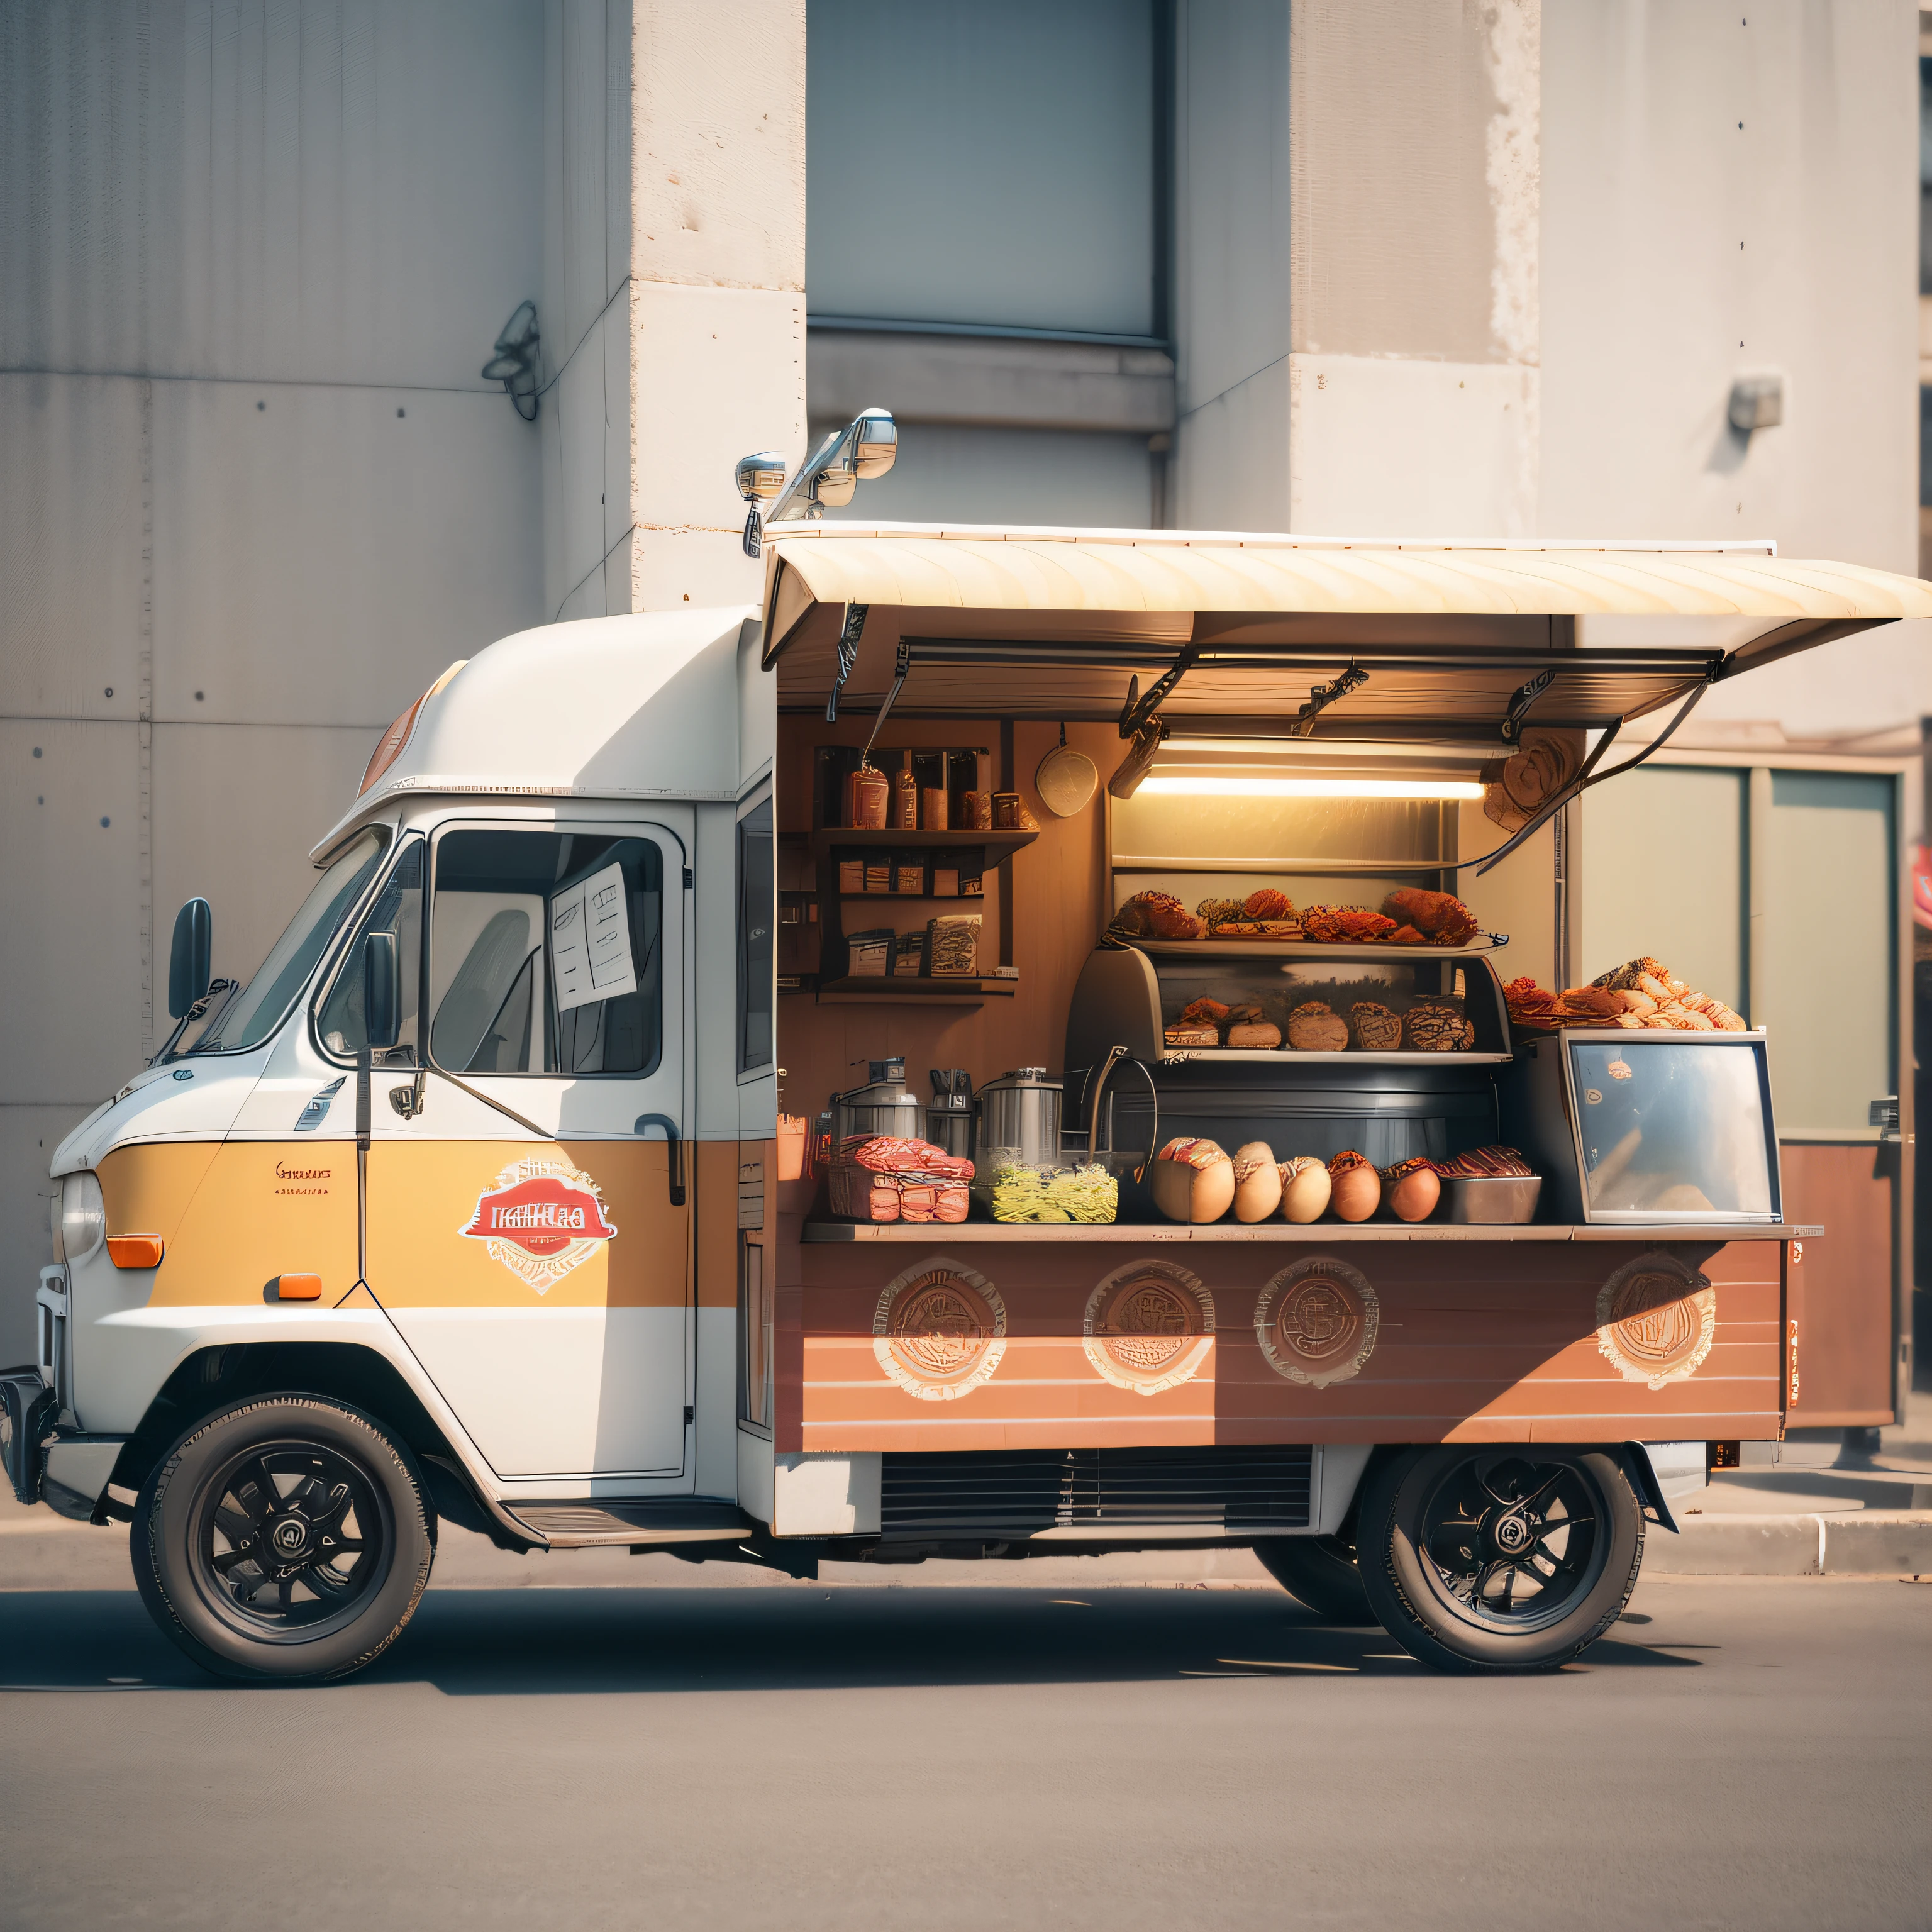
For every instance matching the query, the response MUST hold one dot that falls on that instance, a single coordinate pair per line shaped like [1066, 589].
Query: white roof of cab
[638, 707]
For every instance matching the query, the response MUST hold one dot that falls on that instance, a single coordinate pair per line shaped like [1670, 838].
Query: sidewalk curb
[1871, 1543]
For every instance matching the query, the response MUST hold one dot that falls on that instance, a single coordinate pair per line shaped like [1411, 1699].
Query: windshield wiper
[221, 990]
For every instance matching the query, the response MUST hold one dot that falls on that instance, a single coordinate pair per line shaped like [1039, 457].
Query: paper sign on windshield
[590, 941]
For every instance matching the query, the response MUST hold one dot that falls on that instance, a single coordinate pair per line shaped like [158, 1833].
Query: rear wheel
[286, 1538]
[1321, 1572]
[1499, 1558]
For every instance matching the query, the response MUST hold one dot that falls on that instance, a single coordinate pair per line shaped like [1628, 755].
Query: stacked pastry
[1642, 993]
[1531, 1005]
[1483, 1163]
[1332, 925]
[1265, 914]
[1156, 916]
[1429, 919]
[1206, 1022]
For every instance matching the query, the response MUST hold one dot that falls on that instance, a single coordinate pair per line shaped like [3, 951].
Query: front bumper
[27, 1408]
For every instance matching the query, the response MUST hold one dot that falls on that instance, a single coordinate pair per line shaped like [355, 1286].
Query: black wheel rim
[1511, 1543]
[291, 1540]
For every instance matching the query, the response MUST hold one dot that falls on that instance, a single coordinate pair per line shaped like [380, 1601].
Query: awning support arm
[1584, 778]
[899, 669]
[848, 656]
[1320, 696]
[1526, 696]
[1138, 712]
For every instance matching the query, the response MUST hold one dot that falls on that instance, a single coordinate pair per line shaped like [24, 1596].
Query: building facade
[1477, 267]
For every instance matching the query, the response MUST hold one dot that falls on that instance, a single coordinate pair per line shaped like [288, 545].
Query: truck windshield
[258, 1008]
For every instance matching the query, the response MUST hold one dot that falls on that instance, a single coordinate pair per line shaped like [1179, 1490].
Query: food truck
[1025, 1042]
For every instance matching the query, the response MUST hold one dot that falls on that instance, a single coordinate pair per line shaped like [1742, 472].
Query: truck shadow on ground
[561, 1642]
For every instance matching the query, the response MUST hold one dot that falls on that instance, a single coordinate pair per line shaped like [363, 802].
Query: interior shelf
[1347, 1056]
[906, 988]
[997, 845]
[1308, 949]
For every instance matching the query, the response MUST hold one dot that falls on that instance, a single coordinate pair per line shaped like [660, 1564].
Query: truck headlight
[79, 1218]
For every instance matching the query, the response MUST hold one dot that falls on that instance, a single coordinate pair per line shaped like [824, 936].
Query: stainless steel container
[1493, 1199]
[881, 1106]
[1019, 1116]
[949, 1114]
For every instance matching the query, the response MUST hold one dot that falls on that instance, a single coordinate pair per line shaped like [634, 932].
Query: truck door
[529, 1231]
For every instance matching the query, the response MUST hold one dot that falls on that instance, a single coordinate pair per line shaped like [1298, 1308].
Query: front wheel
[286, 1538]
[1499, 1558]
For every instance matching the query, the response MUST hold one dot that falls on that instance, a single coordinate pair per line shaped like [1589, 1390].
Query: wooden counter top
[1285, 1233]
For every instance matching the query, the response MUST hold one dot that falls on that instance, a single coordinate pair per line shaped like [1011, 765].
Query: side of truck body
[555, 1274]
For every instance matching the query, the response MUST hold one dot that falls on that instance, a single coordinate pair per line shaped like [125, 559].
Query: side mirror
[876, 444]
[191, 958]
[834, 484]
[761, 477]
[382, 991]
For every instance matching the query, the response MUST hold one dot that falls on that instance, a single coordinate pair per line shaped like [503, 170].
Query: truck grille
[1017, 1492]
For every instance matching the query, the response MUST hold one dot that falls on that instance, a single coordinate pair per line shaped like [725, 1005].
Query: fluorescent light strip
[1203, 787]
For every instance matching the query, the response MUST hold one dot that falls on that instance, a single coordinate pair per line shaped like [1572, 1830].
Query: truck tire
[1320, 1572]
[1499, 1558]
[286, 1538]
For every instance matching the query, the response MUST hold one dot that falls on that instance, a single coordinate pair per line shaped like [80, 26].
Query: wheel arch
[218, 1376]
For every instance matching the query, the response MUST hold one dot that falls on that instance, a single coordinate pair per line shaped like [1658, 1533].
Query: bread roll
[1257, 1182]
[1411, 1188]
[1375, 1027]
[1192, 1181]
[1315, 1026]
[1255, 1033]
[1304, 1189]
[1355, 1188]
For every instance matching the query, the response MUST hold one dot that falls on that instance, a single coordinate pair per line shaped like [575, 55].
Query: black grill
[1017, 1492]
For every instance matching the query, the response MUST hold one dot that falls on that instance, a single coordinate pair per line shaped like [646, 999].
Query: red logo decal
[542, 1219]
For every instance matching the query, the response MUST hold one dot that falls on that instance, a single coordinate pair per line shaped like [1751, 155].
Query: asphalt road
[1741, 1752]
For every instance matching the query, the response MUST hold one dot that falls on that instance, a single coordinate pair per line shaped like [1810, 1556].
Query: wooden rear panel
[1844, 1294]
[1114, 1344]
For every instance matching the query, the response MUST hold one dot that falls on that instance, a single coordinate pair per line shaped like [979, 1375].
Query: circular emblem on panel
[1316, 1321]
[939, 1330]
[1148, 1327]
[1656, 1318]
[540, 1218]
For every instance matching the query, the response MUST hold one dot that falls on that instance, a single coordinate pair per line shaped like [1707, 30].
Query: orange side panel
[967, 1345]
[423, 1195]
[147, 1189]
[263, 1208]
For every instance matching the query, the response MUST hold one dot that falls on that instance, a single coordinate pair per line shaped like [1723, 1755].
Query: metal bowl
[1496, 1200]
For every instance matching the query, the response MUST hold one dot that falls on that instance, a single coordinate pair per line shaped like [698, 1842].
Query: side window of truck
[756, 903]
[545, 954]
[397, 909]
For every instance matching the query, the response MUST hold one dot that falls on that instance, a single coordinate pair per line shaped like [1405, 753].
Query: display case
[1644, 1128]
[1376, 1091]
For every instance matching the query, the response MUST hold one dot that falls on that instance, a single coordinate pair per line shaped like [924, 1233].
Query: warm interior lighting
[1176, 785]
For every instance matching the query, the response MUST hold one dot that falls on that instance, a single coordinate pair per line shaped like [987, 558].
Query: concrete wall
[1729, 190]
[1356, 280]
[992, 165]
[254, 495]
[717, 298]
[1473, 268]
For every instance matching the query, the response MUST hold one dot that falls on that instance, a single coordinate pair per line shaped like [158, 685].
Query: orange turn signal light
[135, 1251]
[298, 1287]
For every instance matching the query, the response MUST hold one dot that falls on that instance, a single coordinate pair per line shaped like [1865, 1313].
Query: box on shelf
[952, 945]
[871, 954]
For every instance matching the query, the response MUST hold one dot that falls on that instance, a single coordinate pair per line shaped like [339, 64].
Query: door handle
[670, 1127]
